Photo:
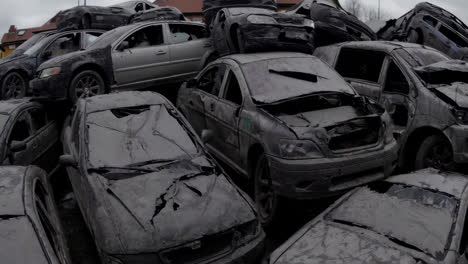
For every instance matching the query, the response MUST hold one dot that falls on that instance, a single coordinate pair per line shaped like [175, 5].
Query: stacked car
[295, 106]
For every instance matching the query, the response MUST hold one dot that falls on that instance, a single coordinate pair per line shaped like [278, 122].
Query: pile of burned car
[299, 105]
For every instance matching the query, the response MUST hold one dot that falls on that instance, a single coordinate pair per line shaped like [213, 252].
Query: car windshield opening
[281, 79]
[417, 218]
[128, 136]
[418, 57]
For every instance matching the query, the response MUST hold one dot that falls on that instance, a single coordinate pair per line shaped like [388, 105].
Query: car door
[396, 96]
[45, 134]
[219, 35]
[188, 45]
[144, 59]
[362, 69]
[21, 134]
[223, 118]
[49, 229]
[61, 45]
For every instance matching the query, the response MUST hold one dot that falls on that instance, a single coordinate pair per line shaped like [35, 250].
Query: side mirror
[192, 83]
[68, 161]
[123, 46]
[206, 135]
[17, 146]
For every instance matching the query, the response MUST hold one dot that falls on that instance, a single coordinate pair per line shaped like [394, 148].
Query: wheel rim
[265, 198]
[439, 157]
[14, 86]
[88, 86]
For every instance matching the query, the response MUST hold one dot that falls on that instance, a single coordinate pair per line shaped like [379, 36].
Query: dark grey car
[147, 189]
[16, 71]
[29, 135]
[430, 25]
[30, 227]
[137, 56]
[290, 124]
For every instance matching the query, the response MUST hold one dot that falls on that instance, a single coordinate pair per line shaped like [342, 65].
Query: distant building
[15, 37]
[192, 9]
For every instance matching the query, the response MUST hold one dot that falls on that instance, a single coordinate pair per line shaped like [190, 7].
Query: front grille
[355, 134]
[195, 252]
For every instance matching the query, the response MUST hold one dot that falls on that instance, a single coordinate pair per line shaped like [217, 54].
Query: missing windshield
[297, 75]
[127, 111]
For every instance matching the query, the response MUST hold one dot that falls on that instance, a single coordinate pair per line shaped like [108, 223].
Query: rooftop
[122, 100]
[195, 6]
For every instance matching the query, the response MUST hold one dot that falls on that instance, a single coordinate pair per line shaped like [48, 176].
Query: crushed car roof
[386, 46]
[11, 190]
[447, 182]
[248, 58]
[122, 99]
[9, 106]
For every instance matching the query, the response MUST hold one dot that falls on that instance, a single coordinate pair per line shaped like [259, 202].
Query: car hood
[168, 208]
[10, 59]
[59, 60]
[330, 243]
[456, 92]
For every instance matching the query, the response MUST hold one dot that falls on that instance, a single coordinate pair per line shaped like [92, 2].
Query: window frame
[222, 81]
[385, 69]
[223, 93]
[46, 119]
[27, 117]
[118, 42]
[382, 69]
[171, 37]
[58, 37]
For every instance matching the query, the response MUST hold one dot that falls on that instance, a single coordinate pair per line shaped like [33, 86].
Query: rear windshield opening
[297, 75]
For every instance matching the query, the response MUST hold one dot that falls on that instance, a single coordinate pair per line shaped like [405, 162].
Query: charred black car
[16, 71]
[211, 7]
[290, 124]
[96, 17]
[249, 29]
[332, 23]
[148, 190]
[21, 49]
[430, 25]
[158, 14]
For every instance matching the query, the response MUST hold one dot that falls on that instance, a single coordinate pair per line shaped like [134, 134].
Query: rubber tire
[426, 147]
[25, 85]
[266, 222]
[415, 37]
[71, 90]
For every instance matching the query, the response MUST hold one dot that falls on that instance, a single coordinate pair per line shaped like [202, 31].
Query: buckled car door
[44, 139]
[188, 45]
[397, 96]
[362, 69]
[220, 33]
[142, 58]
[21, 134]
[223, 118]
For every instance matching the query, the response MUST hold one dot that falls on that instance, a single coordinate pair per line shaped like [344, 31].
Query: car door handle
[161, 52]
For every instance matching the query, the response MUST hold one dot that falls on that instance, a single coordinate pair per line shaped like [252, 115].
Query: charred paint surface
[211, 7]
[96, 17]
[158, 14]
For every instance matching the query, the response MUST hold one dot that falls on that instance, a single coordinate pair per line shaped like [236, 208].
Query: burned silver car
[30, 229]
[332, 23]
[408, 219]
[248, 29]
[422, 89]
[16, 71]
[430, 25]
[137, 56]
[158, 14]
[290, 124]
[211, 7]
[147, 189]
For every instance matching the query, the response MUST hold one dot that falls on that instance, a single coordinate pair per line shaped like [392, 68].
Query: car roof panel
[9, 106]
[122, 100]
[253, 57]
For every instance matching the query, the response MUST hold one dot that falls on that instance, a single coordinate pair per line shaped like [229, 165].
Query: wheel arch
[92, 67]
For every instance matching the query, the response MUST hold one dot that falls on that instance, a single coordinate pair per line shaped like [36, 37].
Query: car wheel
[435, 152]
[415, 37]
[86, 84]
[266, 200]
[85, 22]
[14, 86]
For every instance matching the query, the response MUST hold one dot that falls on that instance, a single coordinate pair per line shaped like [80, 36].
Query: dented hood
[171, 207]
[331, 244]
[457, 93]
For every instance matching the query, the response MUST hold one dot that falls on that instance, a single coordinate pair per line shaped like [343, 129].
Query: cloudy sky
[32, 13]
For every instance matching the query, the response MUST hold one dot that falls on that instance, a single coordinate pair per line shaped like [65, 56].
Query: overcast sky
[32, 13]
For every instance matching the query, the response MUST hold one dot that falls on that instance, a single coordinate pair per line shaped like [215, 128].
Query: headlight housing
[50, 72]
[299, 149]
[461, 116]
[258, 19]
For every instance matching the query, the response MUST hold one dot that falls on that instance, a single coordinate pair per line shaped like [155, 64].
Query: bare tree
[372, 13]
[354, 7]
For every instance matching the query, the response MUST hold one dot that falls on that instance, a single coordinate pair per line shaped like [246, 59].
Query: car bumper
[318, 178]
[54, 87]
[250, 253]
[260, 37]
[458, 136]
